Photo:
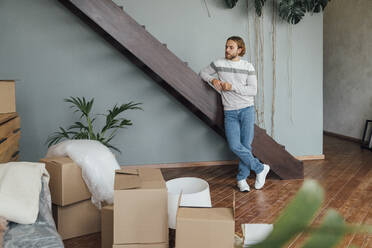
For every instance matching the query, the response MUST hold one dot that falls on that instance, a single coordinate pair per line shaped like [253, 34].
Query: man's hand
[226, 86]
[217, 84]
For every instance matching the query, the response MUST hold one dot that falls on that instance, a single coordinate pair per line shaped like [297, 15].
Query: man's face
[231, 50]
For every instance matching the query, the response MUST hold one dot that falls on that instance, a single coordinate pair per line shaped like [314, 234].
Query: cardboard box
[66, 183]
[140, 207]
[107, 226]
[77, 219]
[205, 227]
[7, 96]
[161, 245]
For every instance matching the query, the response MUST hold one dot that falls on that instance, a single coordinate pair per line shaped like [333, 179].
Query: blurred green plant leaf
[329, 233]
[296, 216]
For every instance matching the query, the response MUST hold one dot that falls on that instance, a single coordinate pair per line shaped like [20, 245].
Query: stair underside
[165, 68]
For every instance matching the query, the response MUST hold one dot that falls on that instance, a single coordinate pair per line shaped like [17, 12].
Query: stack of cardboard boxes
[139, 216]
[73, 211]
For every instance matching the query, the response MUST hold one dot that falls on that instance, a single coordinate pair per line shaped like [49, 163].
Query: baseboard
[184, 164]
[344, 137]
[310, 157]
[207, 163]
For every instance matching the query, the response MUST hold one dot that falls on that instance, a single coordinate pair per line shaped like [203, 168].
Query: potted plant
[85, 128]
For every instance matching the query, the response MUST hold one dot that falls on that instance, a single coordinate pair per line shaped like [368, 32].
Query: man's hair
[240, 42]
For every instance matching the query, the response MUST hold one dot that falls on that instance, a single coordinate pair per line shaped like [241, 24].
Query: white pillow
[20, 186]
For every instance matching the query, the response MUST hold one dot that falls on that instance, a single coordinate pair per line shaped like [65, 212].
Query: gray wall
[347, 66]
[55, 55]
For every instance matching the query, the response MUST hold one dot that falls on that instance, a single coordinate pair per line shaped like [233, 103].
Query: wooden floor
[345, 174]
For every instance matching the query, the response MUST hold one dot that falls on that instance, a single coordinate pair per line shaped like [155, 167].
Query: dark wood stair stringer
[165, 68]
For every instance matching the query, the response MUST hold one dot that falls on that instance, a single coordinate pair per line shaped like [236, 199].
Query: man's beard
[231, 56]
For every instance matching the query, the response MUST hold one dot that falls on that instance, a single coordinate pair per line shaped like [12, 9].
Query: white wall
[347, 66]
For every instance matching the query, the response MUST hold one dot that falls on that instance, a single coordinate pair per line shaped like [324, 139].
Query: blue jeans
[239, 130]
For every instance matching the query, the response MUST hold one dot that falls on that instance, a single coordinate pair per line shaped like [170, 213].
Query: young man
[236, 81]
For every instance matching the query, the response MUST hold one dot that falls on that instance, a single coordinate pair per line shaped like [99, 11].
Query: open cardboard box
[140, 208]
[66, 183]
[205, 227]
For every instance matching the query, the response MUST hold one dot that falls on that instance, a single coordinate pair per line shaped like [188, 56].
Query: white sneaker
[261, 177]
[243, 186]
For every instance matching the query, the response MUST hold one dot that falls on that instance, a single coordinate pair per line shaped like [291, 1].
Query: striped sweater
[240, 74]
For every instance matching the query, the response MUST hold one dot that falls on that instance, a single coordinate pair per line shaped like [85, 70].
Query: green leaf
[297, 215]
[80, 104]
[109, 138]
[78, 125]
[58, 136]
[113, 147]
[81, 135]
[125, 122]
[231, 3]
[309, 5]
[292, 10]
[315, 6]
[115, 111]
[320, 5]
[329, 233]
[259, 5]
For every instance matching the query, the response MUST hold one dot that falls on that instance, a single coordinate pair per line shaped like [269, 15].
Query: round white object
[195, 193]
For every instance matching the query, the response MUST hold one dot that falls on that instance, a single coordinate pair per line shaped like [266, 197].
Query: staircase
[166, 69]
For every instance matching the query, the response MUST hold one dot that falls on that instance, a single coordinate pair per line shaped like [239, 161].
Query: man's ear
[239, 51]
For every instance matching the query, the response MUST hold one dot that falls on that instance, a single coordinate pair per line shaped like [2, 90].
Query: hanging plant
[231, 3]
[258, 4]
[291, 11]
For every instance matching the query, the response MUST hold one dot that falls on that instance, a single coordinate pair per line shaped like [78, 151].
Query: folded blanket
[20, 186]
[42, 233]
